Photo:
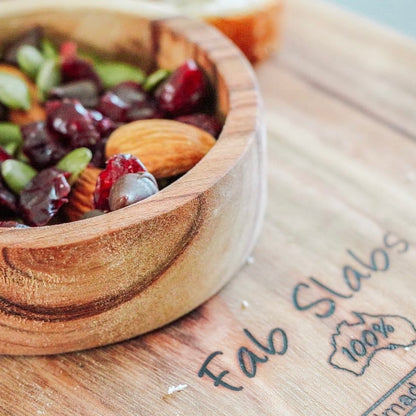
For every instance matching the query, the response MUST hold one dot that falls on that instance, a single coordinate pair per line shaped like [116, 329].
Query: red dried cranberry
[117, 166]
[4, 155]
[113, 107]
[204, 121]
[43, 147]
[77, 69]
[68, 50]
[85, 91]
[43, 196]
[8, 200]
[184, 91]
[104, 125]
[128, 102]
[72, 120]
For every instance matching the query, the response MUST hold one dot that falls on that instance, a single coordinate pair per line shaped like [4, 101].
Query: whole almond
[81, 196]
[166, 147]
[36, 111]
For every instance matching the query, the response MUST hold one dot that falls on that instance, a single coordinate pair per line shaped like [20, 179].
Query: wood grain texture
[341, 177]
[88, 283]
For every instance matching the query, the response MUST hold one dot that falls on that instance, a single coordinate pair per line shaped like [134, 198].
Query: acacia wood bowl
[94, 282]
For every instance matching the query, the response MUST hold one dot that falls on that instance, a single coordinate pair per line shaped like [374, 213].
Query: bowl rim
[238, 133]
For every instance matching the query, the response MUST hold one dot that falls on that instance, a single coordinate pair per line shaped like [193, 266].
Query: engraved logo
[355, 344]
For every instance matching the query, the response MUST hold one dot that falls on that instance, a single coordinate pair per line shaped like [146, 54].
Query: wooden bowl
[98, 281]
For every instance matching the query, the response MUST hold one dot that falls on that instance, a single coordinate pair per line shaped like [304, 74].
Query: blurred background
[399, 14]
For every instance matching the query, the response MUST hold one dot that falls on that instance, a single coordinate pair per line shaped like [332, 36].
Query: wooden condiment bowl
[93, 282]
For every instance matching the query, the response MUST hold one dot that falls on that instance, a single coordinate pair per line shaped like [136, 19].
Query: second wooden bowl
[98, 281]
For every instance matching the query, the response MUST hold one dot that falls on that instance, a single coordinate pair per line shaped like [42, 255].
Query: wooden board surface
[324, 312]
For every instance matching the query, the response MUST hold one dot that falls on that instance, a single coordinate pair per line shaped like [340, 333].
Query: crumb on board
[250, 260]
[244, 304]
[174, 389]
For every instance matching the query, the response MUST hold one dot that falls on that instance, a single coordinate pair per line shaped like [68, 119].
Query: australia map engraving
[355, 344]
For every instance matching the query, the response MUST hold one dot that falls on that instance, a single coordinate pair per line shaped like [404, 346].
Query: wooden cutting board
[322, 319]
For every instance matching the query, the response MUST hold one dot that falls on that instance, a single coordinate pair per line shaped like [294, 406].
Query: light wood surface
[89, 283]
[340, 103]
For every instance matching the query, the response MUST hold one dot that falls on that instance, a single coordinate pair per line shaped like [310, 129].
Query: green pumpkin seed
[10, 148]
[19, 155]
[17, 174]
[112, 73]
[49, 76]
[49, 50]
[10, 132]
[30, 60]
[10, 137]
[14, 92]
[155, 78]
[75, 162]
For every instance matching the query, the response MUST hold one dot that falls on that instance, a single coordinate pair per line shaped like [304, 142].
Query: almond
[81, 196]
[166, 147]
[36, 111]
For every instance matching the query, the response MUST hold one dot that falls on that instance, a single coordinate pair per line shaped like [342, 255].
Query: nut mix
[80, 136]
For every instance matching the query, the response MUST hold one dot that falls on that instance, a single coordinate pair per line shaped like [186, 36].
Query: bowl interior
[122, 32]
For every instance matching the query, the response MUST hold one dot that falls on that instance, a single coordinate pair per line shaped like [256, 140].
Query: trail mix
[80, 136]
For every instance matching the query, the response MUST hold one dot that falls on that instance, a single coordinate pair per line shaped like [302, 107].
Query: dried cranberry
[77, 69]
[32, 37]
[128, 102]
[72, 120]
[8, 200]
[113, 107]
[184, 91]
[4, 155]
[204, 121]
[104, 125]
[85, 91]
[68, 50]
[43, 147]
[43, 196]
[117, 166]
